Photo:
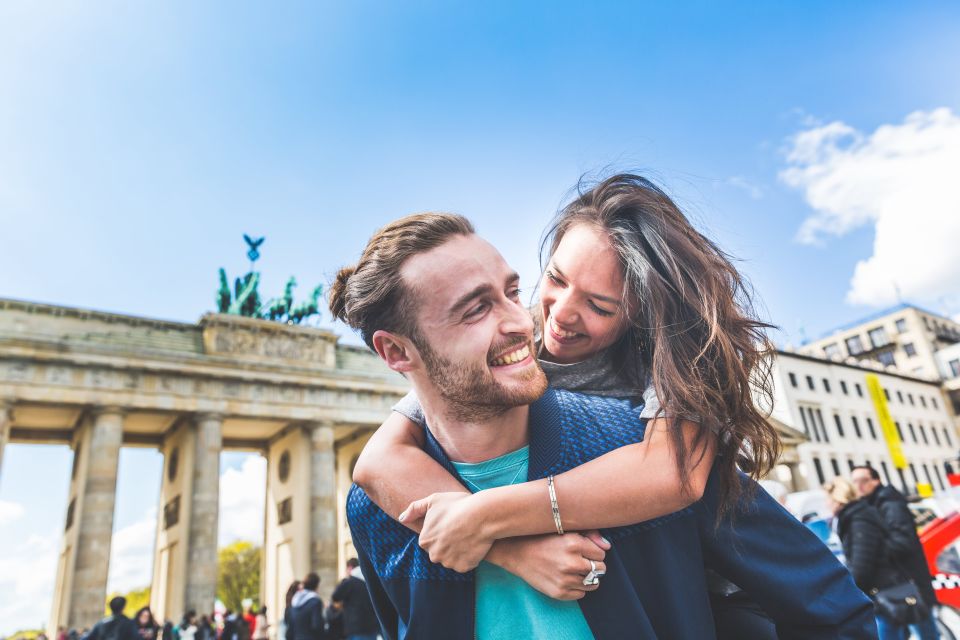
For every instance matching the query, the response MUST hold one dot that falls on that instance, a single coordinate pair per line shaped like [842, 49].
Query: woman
[634, 303]
[261, 626]
[287, 603]
[865, 545]
[147, 626]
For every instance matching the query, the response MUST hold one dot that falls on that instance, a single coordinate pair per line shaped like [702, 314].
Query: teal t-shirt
[507, 607]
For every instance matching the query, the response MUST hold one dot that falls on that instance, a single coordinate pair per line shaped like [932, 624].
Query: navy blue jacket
[655, 585]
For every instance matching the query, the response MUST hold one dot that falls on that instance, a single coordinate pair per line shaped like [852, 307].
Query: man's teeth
[512, 357]
[560, 332]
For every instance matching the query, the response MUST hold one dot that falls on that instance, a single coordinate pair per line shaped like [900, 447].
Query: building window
[923, 434]
[887, 394]
[913, 433]
[938, 472]
[835, 465]
[926, 323]
[923, 402]
[819, 469]
[793, 380]
[955, 368]
[873, 432]
[832, 350]
[850, 464]
[936, 436]
[900, 432]
[859, 389]
[913, 472]
[946, 436]
[839, 423]
[810, 383]
[806, 426]
[826, 385]
[901, 325]
[856, 426]
[886, 472]
[823, 427]
[854, 345]
[934, 401]
[909, 349]
[843, 387]
[900, 397]
[886, 358]
[926, 472]
[878, 337]
[910, 398]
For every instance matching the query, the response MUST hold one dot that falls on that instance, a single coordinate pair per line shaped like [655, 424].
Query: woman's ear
[396, 351]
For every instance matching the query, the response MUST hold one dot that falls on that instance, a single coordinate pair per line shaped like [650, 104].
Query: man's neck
[476, 440]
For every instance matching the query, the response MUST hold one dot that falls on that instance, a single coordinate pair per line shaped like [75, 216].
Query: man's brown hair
[371, 295]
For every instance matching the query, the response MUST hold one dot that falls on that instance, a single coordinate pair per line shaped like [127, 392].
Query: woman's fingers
[598, 566]
[416, 511]
[591, 551]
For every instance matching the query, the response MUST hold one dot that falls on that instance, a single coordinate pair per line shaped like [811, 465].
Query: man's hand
[452, 532]
[553, 565]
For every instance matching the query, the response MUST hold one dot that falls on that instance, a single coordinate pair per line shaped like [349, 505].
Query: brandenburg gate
[100, 381]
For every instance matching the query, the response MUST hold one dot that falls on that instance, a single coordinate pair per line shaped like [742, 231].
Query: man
[116, 626]
[304, 616]
[351, 597]
[902, 533]
[440, 306]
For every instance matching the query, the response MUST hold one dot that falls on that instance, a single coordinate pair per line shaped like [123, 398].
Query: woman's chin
[563, 353]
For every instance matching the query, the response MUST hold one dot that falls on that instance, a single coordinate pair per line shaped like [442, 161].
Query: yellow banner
[886, 422]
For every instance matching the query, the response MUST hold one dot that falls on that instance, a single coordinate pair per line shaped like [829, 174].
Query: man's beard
[472, 392]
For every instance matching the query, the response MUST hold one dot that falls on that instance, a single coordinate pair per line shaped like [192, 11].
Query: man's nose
[516, 320]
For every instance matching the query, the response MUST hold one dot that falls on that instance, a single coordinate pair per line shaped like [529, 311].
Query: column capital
[6, 409]
[107, 410]
[208, 416]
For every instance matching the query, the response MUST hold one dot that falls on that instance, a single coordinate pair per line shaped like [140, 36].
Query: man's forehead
[457, 266]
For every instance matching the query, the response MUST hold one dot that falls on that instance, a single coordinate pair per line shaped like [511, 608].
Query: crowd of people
[883, 552]
[349, 616]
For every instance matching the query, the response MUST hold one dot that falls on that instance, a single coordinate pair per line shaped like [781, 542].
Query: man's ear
[398, 352]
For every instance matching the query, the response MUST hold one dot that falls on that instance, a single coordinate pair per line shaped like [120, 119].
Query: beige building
[101, 381]
[828, 402]
[905, 337]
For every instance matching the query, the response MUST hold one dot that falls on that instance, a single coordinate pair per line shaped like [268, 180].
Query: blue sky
[138, 142]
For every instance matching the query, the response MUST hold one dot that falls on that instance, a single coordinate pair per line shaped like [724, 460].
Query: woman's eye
[601, 312]
[554, 279]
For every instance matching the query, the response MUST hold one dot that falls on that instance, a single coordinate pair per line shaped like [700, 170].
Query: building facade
[830, 404]
[100, 381]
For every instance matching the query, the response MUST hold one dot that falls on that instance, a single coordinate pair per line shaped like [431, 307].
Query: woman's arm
[393, 452]
[554, 565]
[628, 485]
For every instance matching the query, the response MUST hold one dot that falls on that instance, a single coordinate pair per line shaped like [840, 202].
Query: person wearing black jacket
[304, 616]
[359, 618]
[866, 547]
[115, 626]
[904, 541]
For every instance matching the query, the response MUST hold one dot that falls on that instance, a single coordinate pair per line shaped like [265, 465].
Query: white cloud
[131, 554]
[902, 180]
[752, 190]
[10, 511]
[242, 494]
[27, 573]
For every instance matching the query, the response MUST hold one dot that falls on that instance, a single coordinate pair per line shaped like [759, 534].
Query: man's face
[862, 482]
[476, 338]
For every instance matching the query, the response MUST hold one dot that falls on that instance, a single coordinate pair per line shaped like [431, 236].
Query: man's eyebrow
[592, 295]
[466, 298]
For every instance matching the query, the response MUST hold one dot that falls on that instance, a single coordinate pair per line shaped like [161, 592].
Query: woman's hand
[452, 531]
[553, 565]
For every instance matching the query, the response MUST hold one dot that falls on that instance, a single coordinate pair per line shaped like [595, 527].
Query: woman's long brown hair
[694, 332]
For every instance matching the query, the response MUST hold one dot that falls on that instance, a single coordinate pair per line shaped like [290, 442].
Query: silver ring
[593, 576]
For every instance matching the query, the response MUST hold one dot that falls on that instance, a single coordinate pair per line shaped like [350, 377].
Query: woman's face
[581, 296]
[144, 617]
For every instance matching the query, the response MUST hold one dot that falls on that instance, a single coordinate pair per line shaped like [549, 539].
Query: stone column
[6, 417]
[81, 586]
[201, 571]
[323, 506]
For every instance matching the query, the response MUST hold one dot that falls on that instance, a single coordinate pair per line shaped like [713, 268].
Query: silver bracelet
[554, 506]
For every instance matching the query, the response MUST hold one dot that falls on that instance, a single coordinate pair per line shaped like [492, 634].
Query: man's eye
[477, 310]
[514, 294]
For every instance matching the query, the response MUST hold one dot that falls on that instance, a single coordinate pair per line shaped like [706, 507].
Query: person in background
[305, 614]
[147, 626]
[261, 627]
[251, 619]
[904, 541]
[188, 626]
[866, 547]
[116, 626]
[359, 618]
[282, 622]
[205, 630]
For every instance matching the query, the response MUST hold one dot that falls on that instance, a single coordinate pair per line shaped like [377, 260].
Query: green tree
[136, 599]
[238, 574]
